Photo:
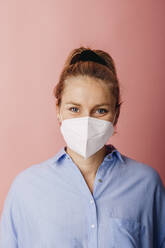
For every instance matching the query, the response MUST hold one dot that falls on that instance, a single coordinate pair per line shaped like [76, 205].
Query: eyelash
[105, 110]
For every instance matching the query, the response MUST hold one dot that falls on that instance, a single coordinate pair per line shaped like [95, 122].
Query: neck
[90, 165]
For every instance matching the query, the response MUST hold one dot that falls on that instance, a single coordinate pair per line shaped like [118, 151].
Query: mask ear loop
[60, 117]
[114, 118]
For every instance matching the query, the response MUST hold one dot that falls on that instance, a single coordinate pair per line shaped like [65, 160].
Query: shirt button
[92, 225]
[100, 180]
[91, 201]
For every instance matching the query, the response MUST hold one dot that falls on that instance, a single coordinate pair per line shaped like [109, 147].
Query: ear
[117, 114]
[58, 111]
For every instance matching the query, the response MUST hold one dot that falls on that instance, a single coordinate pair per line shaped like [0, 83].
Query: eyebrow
[97, 105]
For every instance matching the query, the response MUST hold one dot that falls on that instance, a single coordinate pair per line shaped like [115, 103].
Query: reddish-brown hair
[97, 64]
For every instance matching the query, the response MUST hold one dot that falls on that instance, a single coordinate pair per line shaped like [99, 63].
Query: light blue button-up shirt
[49, 205]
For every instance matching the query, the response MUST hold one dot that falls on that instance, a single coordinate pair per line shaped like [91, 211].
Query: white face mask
[86, 135]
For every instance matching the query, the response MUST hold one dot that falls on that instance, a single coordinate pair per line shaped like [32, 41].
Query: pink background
[36, 37]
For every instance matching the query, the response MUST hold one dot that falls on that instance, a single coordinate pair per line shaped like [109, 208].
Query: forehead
[84, 88]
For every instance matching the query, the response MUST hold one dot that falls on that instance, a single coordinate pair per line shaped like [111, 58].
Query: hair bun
[88, 55]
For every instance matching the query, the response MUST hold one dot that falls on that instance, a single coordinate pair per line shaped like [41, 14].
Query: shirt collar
[112, 150]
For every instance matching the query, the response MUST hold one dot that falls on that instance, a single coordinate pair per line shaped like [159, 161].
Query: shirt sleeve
[159, 213]
[8, 233]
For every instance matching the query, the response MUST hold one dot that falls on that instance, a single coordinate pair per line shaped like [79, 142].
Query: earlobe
[59, 119]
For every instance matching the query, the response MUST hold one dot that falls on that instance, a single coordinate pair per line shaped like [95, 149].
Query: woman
[88, 195]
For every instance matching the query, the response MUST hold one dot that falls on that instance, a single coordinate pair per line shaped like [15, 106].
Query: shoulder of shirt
[143, 170]
[26, 175]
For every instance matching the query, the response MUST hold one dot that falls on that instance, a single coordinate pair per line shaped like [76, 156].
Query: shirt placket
[90, 198]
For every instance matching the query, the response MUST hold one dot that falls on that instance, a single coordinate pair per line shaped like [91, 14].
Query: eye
[73, 108]
[105, 110]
